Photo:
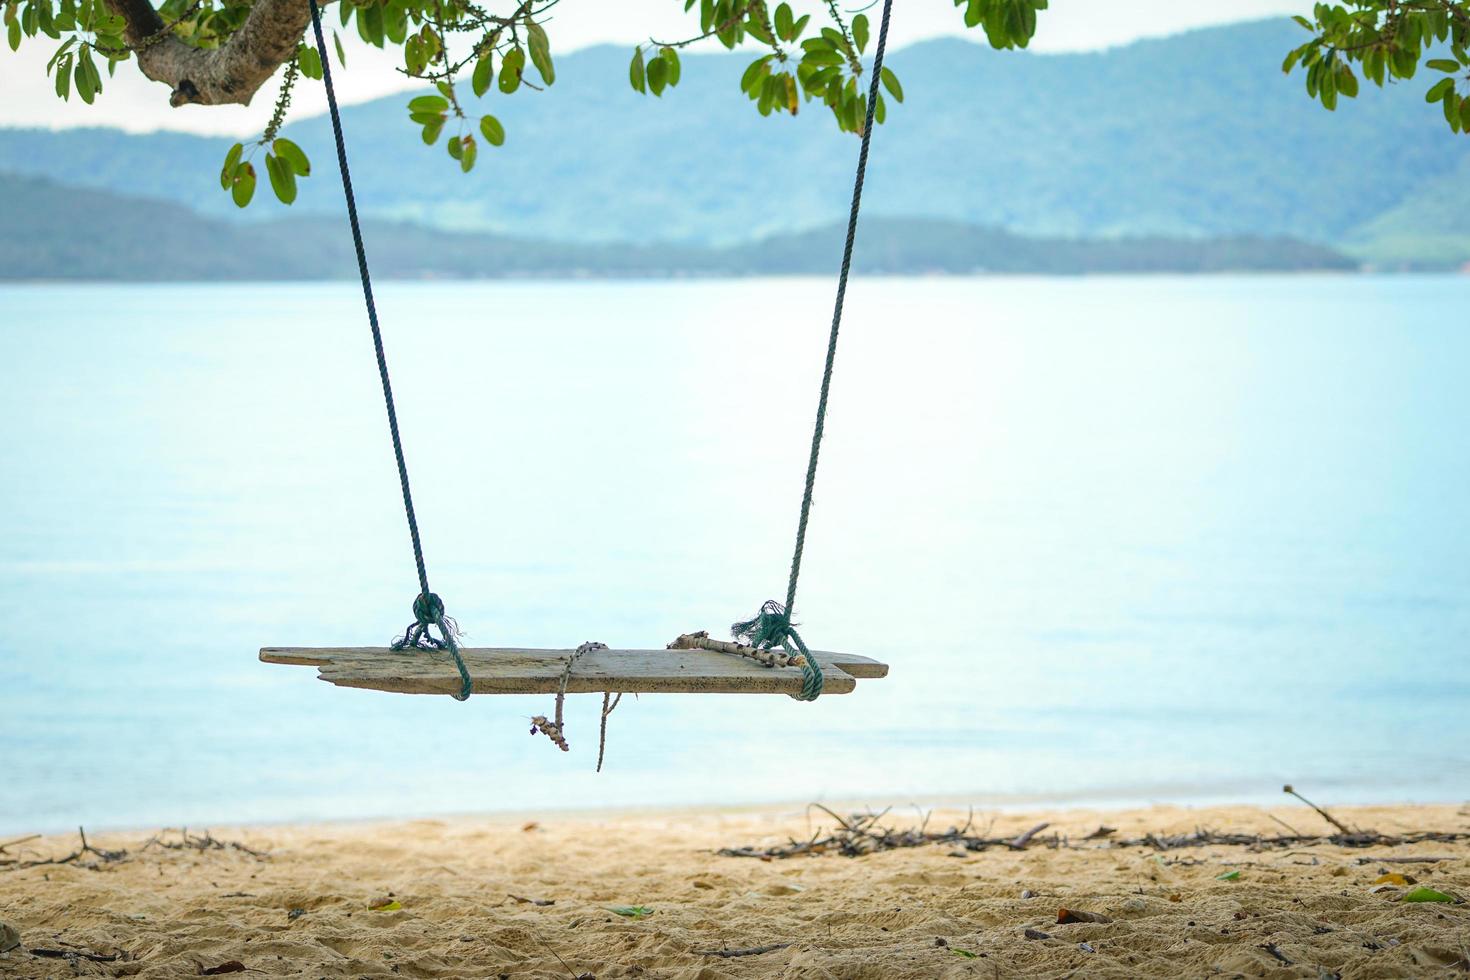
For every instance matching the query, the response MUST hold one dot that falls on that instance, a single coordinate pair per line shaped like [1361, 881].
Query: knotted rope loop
[428, 610]
[772, 627]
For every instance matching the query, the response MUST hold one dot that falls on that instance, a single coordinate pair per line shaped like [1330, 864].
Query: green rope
[772, 626]
[428, 608]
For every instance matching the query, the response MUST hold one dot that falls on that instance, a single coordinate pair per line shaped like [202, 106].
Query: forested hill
[51, 232]
[1194, 135]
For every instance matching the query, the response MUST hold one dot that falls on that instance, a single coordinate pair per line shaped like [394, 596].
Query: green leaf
[455, 146]
[491, 129]
[860, 31]
[483, 75]
[63, 79]
[631, 911]
[671, 56]
[59, 52]
[540, 52]
[242, 187]
[282, 177]
[784, 22]
[658, 75]
[510, 70]
[12, 34]
[1443, 64]
[88, 78]
[1440, 89]
[232, 163]
[467, 154]
[636, 74]
[293, 156]
[754, 73]
[370, 24]
[433, 129]
[963, 954]
[890, 82]
[1423, 894]
[341, 54]
[309, 60]
[1228, 876]
[429, 103]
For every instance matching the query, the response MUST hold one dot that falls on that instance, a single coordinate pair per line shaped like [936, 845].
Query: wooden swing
[772, 659]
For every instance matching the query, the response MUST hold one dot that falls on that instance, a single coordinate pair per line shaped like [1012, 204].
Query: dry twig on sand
[195, 842]
[861, 834]
[730, 954]
[104, 858]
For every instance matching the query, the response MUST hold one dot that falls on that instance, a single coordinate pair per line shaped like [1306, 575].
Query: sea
[1122, 540]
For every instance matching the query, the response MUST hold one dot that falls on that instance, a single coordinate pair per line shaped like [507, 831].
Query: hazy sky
[131, 102]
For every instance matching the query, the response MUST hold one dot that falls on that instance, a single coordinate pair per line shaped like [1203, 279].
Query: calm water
[1124, 539]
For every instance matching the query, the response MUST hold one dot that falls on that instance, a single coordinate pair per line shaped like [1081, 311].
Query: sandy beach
[647, 895]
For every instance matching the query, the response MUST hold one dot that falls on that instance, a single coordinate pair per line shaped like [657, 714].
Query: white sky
[132, 102]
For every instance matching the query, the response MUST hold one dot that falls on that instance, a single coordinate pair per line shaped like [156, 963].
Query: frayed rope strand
[772, 627]
[428, 610]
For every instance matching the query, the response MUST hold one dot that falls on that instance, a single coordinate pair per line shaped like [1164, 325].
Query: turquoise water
[1121, 539]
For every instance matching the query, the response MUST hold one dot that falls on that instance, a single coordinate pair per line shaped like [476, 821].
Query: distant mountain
[1197, 135]
[58, 232]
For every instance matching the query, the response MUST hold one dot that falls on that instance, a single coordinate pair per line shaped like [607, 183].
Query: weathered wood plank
[521, 671]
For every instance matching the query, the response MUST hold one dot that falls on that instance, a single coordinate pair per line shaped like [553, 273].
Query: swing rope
[772, 626]
[428, 608]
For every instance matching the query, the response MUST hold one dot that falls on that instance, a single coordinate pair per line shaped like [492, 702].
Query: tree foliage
[1387, 40]
[473, 51]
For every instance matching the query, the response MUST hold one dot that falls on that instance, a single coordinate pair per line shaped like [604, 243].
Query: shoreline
[1126, 798]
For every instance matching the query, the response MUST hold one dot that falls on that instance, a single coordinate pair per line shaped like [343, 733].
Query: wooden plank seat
[521, 671]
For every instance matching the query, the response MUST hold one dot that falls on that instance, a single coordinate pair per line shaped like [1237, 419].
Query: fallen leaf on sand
[9, 937]
[963, 953]
[1422, 894]
[386, 903]
[538, 902]
[1067, 916]
[1394, 878]
[229, 966]
[1036, 934]
[631, 911]
[1228, 876]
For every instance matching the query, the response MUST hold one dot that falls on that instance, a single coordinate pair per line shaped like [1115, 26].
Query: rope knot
[772, 627]
[768, 628]
[428, 610]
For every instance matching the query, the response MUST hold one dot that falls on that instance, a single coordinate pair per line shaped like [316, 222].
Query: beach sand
[303, 908]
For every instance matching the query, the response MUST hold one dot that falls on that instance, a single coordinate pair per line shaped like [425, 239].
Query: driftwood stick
[751, 951]
[1407, 860]
[19, 840]
[81, 954]
[1325, 815]
[1019, 844]
[770, 658]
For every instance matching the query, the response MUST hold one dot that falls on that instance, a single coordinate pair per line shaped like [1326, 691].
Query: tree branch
[229, 74]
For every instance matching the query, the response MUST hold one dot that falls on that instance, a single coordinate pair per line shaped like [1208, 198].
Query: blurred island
[53, 232]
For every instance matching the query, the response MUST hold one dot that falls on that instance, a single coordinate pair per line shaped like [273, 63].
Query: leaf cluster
[1386, 41]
